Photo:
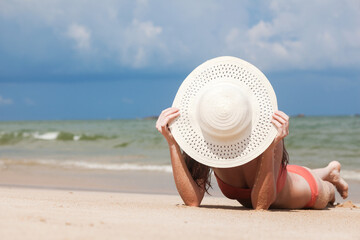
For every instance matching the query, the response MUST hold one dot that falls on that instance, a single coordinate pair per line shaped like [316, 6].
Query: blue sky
[126, 59]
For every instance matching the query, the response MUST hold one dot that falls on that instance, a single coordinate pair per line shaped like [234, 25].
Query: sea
[135, 145]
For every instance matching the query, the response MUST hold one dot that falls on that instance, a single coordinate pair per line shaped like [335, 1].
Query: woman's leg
[331, 173]
[297, 191]
[326, 193]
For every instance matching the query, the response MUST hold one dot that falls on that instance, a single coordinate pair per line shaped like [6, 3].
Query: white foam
[105, 166]
[119, 167]
[46, 136]
[76, 138]
[351, 175]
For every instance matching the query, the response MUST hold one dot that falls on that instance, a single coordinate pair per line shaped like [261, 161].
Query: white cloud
[317, 35]
[274, 35]
[262, 30]
[139, 42]
[5, 101]
[147, 28]
[80, 34]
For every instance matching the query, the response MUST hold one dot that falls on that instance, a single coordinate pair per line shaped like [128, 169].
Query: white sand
[58, 214]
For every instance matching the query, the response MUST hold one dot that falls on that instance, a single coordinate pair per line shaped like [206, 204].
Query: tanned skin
[260, 174]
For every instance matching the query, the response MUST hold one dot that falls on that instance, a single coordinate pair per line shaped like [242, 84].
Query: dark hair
[199, 172]
[202, 173]
[285, 156]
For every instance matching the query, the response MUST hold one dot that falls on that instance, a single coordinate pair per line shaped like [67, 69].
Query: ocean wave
[120, 167]
[122, 145]
[351, 175]
[11, 138]
[89, 165]
[46, 136]
[66, 136]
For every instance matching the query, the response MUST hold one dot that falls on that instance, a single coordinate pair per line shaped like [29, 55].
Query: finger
[280, 119]
[282, 114]
[168, 119]
[164, 114]
[158, 122]
[276, 123]
[280, 133]
[169, 111]
[158, 127]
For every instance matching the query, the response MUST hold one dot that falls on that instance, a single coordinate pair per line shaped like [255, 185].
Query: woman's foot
[334, 177]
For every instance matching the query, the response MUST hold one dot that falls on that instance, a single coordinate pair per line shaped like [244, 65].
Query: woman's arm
[263, 193]
[264, 189]
[189, 191]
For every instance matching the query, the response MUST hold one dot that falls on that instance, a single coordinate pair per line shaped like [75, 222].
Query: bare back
[244, 176]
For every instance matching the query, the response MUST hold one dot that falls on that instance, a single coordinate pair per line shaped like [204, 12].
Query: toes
[335, 165]
[345, 188]
[342, 187]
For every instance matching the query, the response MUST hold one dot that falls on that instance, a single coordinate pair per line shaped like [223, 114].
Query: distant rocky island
[151, 118]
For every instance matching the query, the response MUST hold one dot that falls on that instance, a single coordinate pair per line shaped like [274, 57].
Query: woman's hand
[189, 191]
[281, 121]
[162, 124]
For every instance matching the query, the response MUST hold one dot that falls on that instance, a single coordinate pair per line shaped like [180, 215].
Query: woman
[229, 123]
[265, 182]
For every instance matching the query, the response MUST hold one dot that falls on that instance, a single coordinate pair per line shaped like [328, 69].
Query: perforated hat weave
[226, 105]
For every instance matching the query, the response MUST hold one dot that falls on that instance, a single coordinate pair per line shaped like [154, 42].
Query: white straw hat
[226, 106]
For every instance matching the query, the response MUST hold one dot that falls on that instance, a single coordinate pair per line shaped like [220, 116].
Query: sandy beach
[49, 203]
[39, 202]
[61, 214]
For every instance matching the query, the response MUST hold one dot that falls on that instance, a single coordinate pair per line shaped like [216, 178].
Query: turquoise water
[313, 141]
[136, 145]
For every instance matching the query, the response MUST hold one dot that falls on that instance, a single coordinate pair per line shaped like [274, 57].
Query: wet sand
[149, 182]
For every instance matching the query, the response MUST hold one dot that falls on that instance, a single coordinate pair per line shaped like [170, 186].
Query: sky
[116, 59]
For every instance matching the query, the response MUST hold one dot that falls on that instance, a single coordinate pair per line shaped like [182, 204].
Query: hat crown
[224, 111]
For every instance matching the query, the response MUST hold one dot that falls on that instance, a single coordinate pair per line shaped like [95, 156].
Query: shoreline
[143, 182]
[38, 202]
[40, 213]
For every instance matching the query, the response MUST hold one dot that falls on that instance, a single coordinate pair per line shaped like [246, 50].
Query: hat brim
[186, 129]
